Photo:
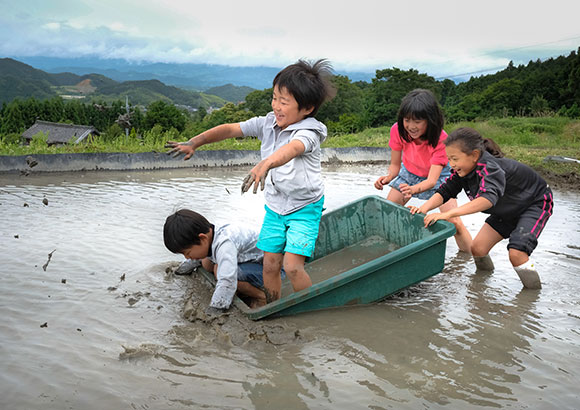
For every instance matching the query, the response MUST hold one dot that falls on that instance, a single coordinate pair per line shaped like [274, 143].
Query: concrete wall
[156, 160]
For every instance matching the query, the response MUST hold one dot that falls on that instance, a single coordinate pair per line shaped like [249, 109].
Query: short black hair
[309, 83]
[182, 230]
[421, 104]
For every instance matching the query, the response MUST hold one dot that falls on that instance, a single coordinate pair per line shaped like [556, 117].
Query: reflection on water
[102, 326]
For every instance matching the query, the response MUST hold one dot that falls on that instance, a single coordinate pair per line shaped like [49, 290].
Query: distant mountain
[191, 76]
[230, 92]
[19, 80]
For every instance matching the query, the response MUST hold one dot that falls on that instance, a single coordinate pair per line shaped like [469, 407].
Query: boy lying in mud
[228, 250]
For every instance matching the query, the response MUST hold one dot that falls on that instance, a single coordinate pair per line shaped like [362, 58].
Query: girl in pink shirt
[418, 160]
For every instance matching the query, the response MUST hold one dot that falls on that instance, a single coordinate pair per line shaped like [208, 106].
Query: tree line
[540, 88]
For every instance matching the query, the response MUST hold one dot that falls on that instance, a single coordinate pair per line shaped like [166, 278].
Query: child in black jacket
[518, 200]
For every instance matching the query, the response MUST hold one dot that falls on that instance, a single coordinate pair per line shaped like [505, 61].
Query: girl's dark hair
[309, 83]
[470, 140]
[182, 229]
[421, 104]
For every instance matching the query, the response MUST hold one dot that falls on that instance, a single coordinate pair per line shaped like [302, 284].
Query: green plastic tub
[366, 251]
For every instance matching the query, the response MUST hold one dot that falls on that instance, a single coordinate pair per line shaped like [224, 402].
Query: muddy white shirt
[232, 244]
[297, 183]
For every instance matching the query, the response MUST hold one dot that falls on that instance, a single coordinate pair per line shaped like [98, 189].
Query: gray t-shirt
[232, 243]
[297, 183]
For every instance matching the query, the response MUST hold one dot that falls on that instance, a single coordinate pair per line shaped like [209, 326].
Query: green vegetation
[528, 140]
[531, 111]
[531, 140]
[230, 92]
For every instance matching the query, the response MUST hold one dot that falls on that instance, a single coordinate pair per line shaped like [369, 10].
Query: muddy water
[349, 258]
[100, 324]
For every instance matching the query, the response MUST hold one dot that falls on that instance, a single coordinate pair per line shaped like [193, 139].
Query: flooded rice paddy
[92, 316]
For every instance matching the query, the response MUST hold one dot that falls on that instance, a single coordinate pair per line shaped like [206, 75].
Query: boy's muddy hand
[253, 179]
[257, 176]
[213, 311]
[179, 148]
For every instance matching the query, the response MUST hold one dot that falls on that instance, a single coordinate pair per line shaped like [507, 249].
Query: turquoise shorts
[406, 177]
[294, 233]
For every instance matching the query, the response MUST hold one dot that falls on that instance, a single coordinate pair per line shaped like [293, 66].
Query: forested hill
[230, 92]
[539, 88]
[546, 86]
[19, 80]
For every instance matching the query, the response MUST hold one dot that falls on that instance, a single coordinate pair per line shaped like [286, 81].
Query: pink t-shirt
[418, 158]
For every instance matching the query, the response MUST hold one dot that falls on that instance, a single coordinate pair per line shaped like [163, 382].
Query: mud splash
[233, 327]
[142, 351]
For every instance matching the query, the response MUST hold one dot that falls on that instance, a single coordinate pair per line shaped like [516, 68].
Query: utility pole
[127, 110]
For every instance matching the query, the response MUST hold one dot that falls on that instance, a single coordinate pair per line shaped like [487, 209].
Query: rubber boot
[483, 263]
[187, 267]
[529, 275]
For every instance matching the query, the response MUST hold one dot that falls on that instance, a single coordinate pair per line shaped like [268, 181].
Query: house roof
[60, 133]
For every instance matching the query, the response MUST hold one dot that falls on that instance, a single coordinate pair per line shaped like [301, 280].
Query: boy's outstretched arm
[257, 175]
[215, 134]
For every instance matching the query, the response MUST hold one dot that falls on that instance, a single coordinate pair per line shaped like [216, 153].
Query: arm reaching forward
[477, 205]
[215, 134]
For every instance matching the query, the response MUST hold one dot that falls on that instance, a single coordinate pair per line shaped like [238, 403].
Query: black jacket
[509, 185]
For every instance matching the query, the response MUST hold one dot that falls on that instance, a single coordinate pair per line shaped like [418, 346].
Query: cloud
[441, 38]
[52, 26]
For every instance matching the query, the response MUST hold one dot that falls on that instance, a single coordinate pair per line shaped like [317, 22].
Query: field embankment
[543, 143]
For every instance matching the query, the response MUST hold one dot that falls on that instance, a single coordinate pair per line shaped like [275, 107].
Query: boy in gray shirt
[290, 170]
[228, 250]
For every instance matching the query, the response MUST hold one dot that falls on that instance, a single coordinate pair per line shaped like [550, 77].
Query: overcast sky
[441, 38]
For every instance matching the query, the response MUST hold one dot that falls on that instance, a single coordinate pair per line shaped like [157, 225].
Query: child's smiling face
[461, 162]
[286, 109]
[415, 128]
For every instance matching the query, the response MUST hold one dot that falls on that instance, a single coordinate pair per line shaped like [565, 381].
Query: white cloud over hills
[443, 39]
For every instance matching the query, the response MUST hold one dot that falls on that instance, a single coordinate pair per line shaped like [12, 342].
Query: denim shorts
[251, 272]
[406, 177]
[294, 233]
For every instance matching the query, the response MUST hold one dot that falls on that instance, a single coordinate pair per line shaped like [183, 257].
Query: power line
[504, 51]
[543, 44]
[470, 73]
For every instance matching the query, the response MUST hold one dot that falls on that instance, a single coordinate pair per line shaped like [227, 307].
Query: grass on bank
[525, 139]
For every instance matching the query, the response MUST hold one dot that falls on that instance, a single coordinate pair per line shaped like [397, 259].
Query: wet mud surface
[233, 327]
[94, 316]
